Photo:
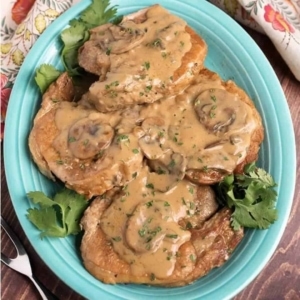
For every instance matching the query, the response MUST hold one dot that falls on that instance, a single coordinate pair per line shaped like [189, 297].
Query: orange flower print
[5, 93]
[20, 10]
[275, 18]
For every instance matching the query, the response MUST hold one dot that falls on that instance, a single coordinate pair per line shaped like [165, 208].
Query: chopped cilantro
[146, 65]
[172, 236]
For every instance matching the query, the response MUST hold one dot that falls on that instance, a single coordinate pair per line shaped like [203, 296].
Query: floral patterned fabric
[279, 19]
[23, 21]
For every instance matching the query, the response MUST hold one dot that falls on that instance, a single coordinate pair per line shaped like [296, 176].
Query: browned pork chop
[89, 151]
[140, 235]
[151, 54]
[210, 130]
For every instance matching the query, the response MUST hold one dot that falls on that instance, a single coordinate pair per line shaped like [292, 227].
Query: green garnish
[252, 196]
[150, 186]
[146, 65]
[192, 257]
[71, 139]
[172, 236]
[57, 217]
[77, 34]
[122, 138]
[45, 75]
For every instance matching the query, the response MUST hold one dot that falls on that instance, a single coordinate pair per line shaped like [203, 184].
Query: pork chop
[210, 130]
[89, 151]
[140, 235]
[151, 54]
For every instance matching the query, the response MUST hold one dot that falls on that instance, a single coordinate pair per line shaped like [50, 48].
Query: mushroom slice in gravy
[88, 137]
[169, 169]
[150, 224]
[143, 236]
[153, 137]
[151, 54]
[213, 125]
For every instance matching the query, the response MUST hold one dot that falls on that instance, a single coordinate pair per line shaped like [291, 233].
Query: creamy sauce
[209, 126]
[94, 146]
[142, 224]
[204, 127]
[142, 73]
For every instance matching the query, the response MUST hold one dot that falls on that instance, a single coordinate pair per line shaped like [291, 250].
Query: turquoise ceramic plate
[234, 55]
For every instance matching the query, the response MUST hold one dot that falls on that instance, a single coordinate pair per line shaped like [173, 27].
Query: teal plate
[234, 55]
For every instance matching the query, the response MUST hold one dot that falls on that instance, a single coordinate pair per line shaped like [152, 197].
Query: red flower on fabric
[20, 10]
[276, 19]
[5, 93]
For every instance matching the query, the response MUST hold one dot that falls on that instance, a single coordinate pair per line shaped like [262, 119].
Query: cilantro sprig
[73, 37]
[57, 217]
[45, 75]
[251, 196]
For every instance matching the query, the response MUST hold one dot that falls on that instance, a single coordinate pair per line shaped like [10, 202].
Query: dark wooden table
[280, 279]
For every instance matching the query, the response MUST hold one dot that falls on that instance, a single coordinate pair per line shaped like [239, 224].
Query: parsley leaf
[58, 217]
[252, 196]
[45, 75]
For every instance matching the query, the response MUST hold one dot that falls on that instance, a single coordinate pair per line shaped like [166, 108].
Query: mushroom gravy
[137, 59]
[207, 126]
[142, 224]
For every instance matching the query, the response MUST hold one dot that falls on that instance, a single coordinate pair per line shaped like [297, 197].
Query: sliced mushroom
[117, 39]
[87, 138]
[169, 169]
[94, 55]
[206, 176]
[213, 112]
[150, 223]
[154, 137]
[216, 144]
[125, 38]
[204, 206]
[144, 232]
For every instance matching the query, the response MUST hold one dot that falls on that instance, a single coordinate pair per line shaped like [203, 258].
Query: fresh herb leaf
[58, 217]
[73, 38]
[45, 75]
[252, 196]
[98, 13]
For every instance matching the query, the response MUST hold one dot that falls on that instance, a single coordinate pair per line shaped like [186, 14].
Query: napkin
[23, 21]
[279, 19]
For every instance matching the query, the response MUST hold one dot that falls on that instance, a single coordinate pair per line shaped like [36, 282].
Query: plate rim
[73, 12]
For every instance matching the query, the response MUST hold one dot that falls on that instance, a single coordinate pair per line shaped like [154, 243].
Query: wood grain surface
[280, 279]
